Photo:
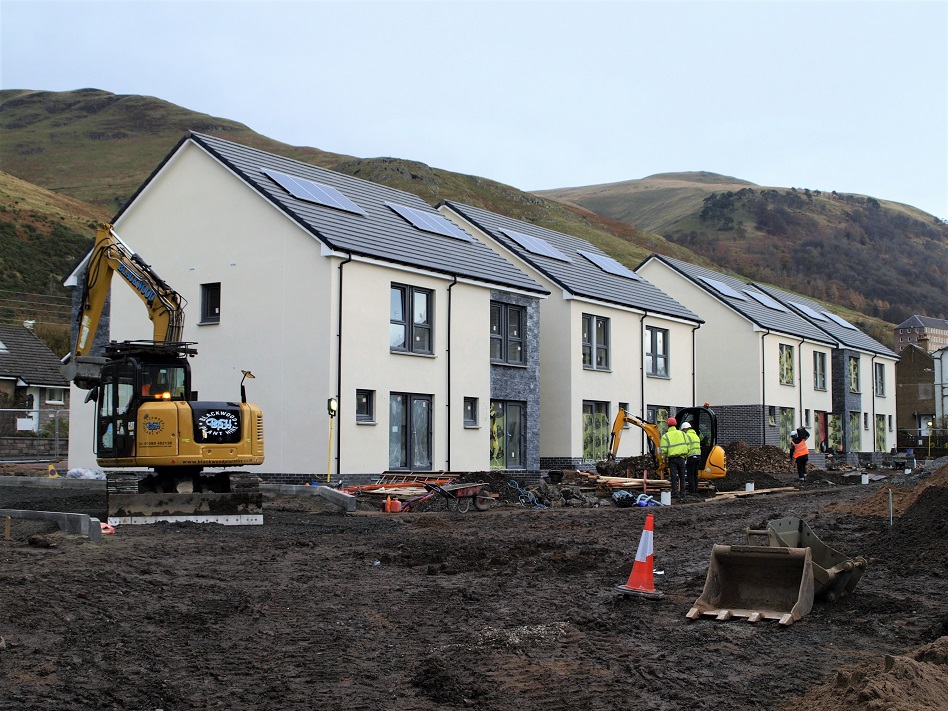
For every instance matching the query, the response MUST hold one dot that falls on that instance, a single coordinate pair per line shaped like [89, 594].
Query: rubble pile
[630, 467]
[767, 458]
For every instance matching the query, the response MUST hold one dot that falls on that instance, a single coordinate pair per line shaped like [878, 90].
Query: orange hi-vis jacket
[800, 449]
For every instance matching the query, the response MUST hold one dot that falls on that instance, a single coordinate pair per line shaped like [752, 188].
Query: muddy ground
[504, 609]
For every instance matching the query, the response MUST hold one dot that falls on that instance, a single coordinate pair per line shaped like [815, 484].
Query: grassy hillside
[98, 148]
[882, 259]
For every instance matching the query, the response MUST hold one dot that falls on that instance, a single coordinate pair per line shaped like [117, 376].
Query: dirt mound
[767, 458]
[903, 683]
[918, 540]
[902, 497]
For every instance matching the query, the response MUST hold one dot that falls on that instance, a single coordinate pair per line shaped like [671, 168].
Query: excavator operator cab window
[163, 382]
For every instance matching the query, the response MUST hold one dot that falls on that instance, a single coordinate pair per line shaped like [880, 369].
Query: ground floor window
[409, 440]
[596, 430]
[855, 434]
[507, 434]
[880, 433]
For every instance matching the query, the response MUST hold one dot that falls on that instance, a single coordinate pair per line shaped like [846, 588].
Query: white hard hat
[686, 426]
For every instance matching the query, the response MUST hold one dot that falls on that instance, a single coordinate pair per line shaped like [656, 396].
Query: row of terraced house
[457, 339]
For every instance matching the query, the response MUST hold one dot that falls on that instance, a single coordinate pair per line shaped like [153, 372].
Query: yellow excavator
[702, 419]
[147, 414]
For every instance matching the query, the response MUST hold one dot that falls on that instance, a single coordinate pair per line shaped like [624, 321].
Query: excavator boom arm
[110, 255]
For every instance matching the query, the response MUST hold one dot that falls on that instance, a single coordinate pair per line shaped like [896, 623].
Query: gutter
[448, 354]
[339, 371]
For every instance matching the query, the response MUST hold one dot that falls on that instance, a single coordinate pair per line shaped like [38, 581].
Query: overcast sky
[849, 96]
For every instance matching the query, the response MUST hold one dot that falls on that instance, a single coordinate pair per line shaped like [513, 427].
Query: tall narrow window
[880, 380]
[211, 303]
[656, 351]
[853, 374]
[506, 333]
[595, 342]
[507, 441]
[786, 365]
[409, 443]
[596, 430]
[410, 319]
[819, 370]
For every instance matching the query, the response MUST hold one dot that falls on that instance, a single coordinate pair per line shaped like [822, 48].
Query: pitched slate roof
[924, 321]
[25, 357]
[746, 302]
[379, 233]
[850, 337]
[578, 276]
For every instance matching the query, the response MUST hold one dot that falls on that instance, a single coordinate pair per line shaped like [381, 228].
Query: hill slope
[99, 147]
[877, 257]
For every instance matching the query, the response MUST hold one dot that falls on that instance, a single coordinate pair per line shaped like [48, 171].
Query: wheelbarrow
[458, 497]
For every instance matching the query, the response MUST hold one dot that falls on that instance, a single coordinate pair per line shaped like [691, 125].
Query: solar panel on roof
[313, 192]
[808, 311]
[840, 320]
[722, 288]
[610, 265]
[429, 222]
[536, 245]
[766, 300]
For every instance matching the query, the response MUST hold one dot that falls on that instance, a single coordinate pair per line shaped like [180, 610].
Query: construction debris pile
[767, 458]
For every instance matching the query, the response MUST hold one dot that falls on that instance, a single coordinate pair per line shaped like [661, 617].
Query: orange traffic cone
[641, 581]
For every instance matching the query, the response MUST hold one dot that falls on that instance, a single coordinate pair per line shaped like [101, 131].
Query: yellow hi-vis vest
[673, 443]
[694, 442]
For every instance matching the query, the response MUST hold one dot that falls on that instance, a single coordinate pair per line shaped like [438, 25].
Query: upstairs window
[786, 365]
[506, 333]
[880, 380]
[656, 351]
[853, 374]
[410, 319]
[819, 370]
[595, 342]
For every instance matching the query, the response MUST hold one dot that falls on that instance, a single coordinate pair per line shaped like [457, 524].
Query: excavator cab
[705, 423]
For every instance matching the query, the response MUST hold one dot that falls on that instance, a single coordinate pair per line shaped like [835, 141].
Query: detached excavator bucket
[834, 574]
[757, 582]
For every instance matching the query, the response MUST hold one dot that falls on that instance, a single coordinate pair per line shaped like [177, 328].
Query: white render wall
[197, 223]
[728, 359]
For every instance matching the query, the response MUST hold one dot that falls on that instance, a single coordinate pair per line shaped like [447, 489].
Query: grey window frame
[406, 438]
[878, 381]
[412, 329]
[470, 413]
[654, 355]
[819, 370]
[592, 345]
[366, 414]
[501, 338]
[211, 302]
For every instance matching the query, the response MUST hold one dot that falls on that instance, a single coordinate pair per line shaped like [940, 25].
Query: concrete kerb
[43, 482]
[347, 502]
[80, 524]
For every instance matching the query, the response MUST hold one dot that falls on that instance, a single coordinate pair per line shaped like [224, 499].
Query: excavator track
[133, 500]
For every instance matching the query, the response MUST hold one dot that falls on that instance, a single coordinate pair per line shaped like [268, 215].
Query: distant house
[30, 380]
[608, 339]
[915, 382]
[940, 360]
[763, 368]
[864, 399]
[328, 286]
[924, 331]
